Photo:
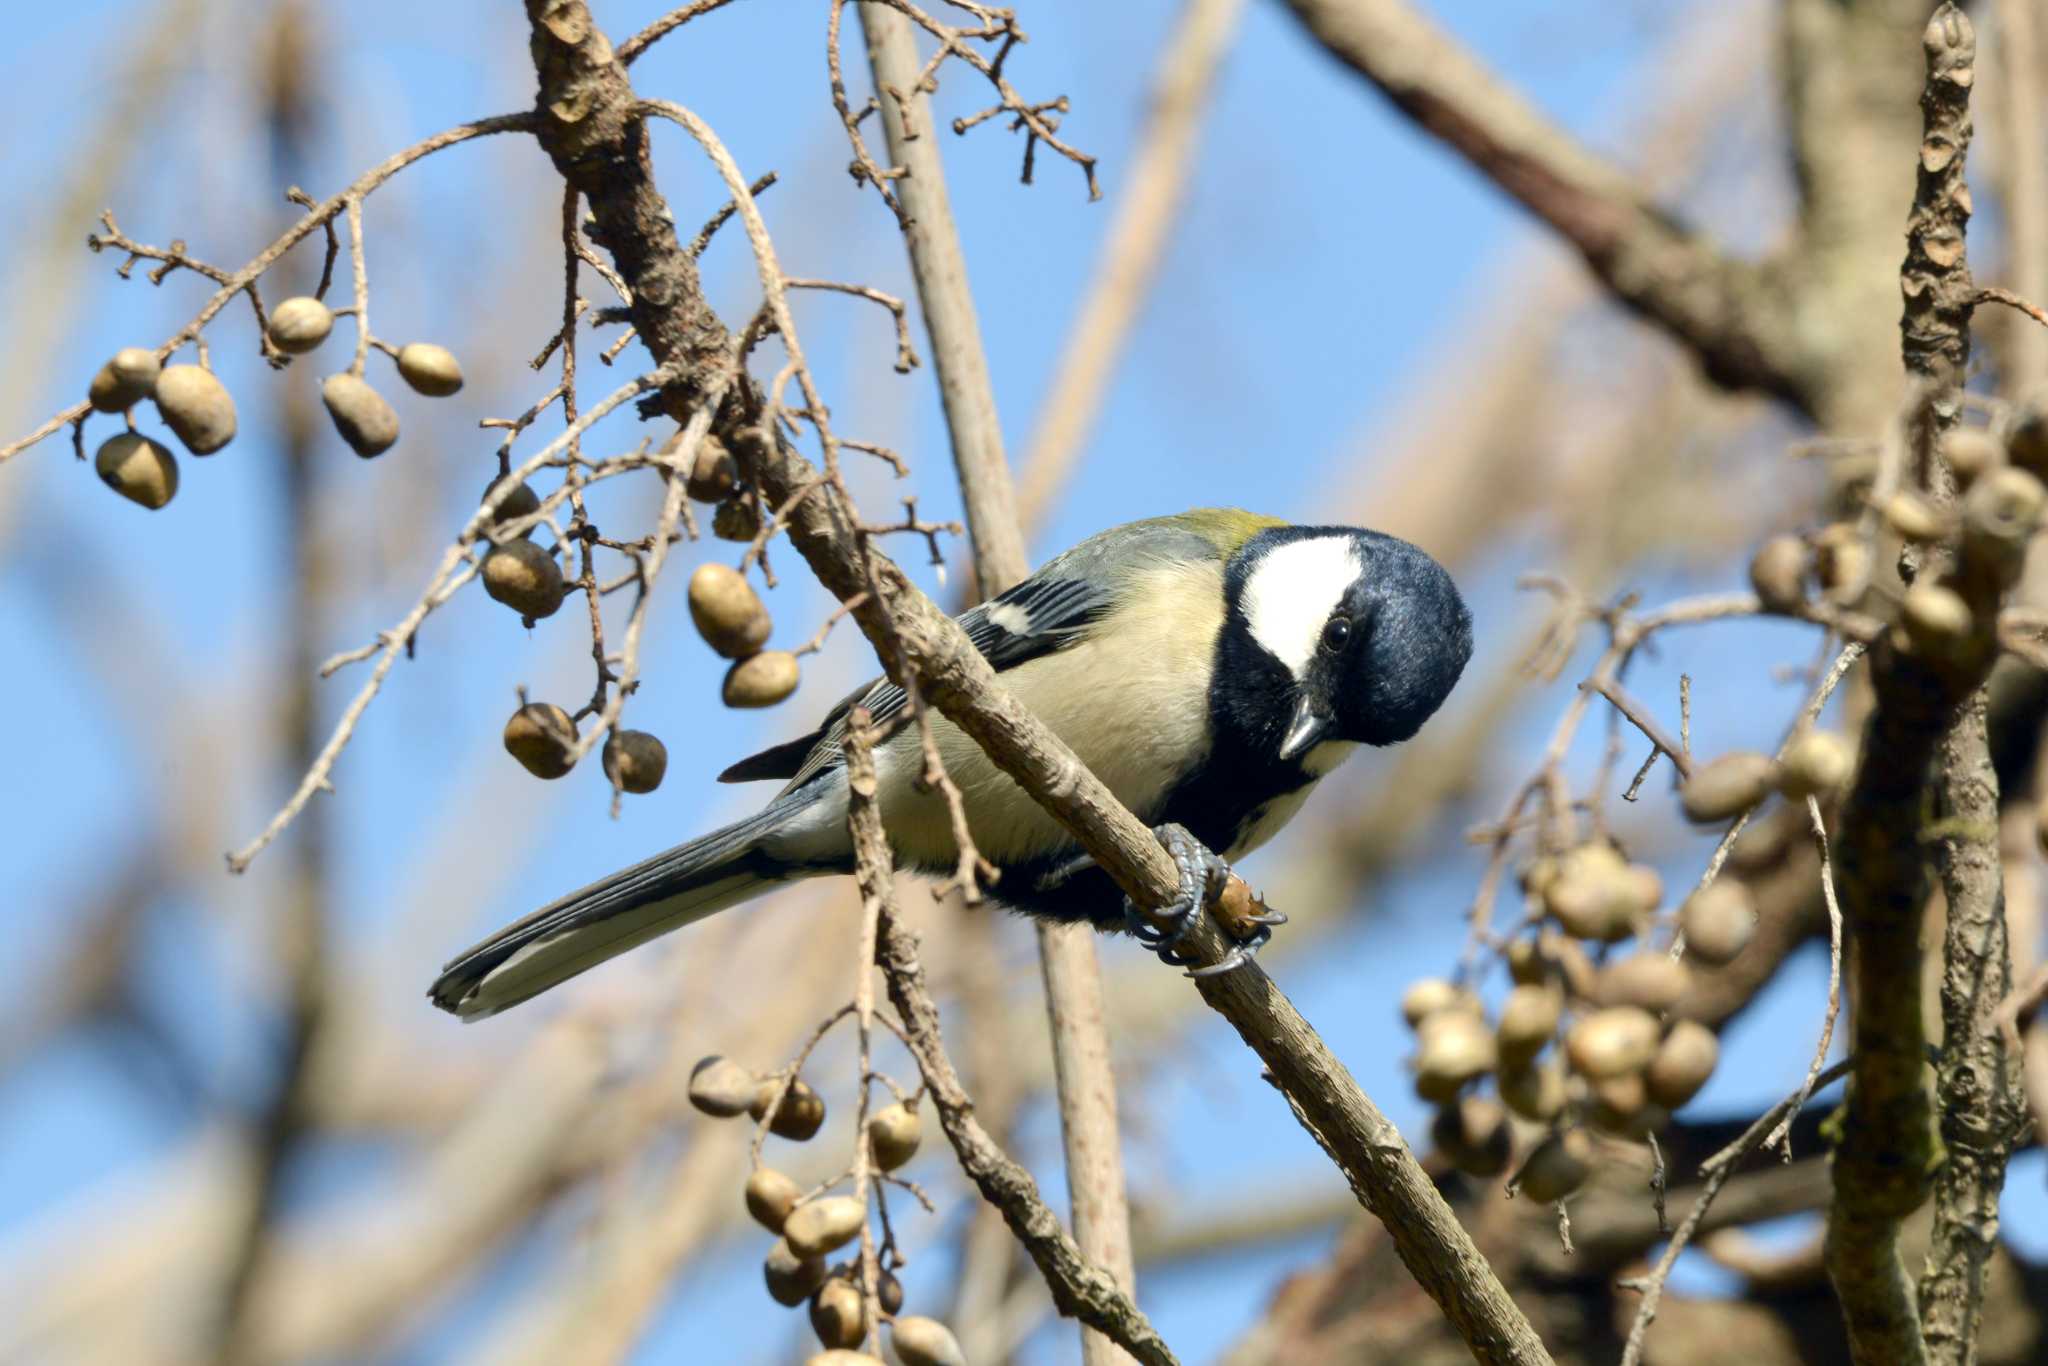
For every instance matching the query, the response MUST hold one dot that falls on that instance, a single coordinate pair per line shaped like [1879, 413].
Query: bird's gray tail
[583, 929]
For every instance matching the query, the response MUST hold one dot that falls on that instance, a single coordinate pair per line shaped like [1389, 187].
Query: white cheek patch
[1292, 592]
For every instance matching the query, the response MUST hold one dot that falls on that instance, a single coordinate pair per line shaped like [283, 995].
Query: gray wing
[1043, 613]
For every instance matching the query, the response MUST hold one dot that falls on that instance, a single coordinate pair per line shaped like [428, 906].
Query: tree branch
[589, 118]
[1727, 312]
[1085, 1080]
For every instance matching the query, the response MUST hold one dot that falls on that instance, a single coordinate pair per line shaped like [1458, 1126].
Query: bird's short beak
[1309, 725]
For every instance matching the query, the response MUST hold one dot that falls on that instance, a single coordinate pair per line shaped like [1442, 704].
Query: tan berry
[366, 422]
[2001, 513]
[542, 738]
[140, 470]
[801, 1114]
[920, 1341]
[736, 519]
[519, 501]
[1912, 517]
[1452, 1048]
[824, 1225]
[1474, 1134]
[431, 370]
[722, 1088]
[634, 760]
[1972, 453]
[1718, 921]
[1535, 1091]
[197, 407]
[770, 1196]
[762, 680]
[839, 1316]
[1727, 787]
[1841, 560]
[1817, 764]
[300, 324]
[713, 473]
[1559, 1165]
[128, 377]
[1778, 573]
[1528, 1019]
[893, 1134]
[1610, 1042]
[727, 612]
[525, 578]
[791, 1278]
[1426, 997]
[1937, 620]
[1683, 1063]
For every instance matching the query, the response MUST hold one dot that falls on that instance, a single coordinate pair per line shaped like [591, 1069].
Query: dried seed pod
[1936, 619]
[1622, 1106]
[722, 1088]
[1617, 1101]
[634, 760]
[1427, 996]
[1452, 1048]
[519, 501]
[1528, 1019]
[889, 1291]
[2026, 436]
[1540, 873]
[727, 611]
[770, 1194]
[1683, 1063]
[140, 470]
[920, 1341]
[1598, 896]
[1841, 560]
[1649, 980]
[2001, 513]
[801, 1114]
[761, 681]
[791, 1278]
[1559, 1165]
[1535, 1091]
[525, 578]
[893, 1135]
[1778, 573]
[1727, 787]
[1474, 1134]
[736, 519]
[542, 738]
[300, 324]
[196, 406]
[1912, 517]
[1717, 921]
[713, 472]
[1972, 453]
[366, 422]
[431, 370]
[128, 377]
[839, 1316]
[824, 1225]
[1609, 1042]
[1817, 764]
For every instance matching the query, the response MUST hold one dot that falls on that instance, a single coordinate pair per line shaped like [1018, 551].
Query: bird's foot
[1204, 877]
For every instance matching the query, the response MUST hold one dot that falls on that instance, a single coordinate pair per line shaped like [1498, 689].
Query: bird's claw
[1203, 875]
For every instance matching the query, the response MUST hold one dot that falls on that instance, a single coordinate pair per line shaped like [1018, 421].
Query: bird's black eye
[1335, 632]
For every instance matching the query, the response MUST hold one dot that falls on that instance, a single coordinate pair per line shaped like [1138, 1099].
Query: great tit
[1210, 667]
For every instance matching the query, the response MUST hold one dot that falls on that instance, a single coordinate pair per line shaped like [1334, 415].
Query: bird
[1211, 667]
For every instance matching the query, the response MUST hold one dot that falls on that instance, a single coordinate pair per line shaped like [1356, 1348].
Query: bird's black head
[1340, 634]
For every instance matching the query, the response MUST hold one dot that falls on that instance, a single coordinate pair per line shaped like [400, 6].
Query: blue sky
[1323, 253]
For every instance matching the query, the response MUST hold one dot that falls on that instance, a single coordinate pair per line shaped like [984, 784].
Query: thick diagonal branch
[1732, 316]
[583, 90]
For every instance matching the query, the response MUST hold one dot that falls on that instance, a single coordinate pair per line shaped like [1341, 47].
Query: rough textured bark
[1083, 1075]
[909, 630]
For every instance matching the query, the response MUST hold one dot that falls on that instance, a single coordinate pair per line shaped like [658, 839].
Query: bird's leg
[1203, 877]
